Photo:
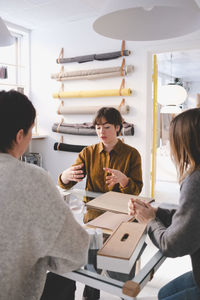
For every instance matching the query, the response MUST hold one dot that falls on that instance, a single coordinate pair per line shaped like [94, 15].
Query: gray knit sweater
[37, 231]
[177, 233]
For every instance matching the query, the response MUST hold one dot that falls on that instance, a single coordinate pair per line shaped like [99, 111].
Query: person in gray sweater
[177, 232]
[38, 232]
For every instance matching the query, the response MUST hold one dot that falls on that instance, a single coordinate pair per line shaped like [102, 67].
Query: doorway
[184, 66]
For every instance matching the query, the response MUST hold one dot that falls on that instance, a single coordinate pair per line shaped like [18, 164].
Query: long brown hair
[184, 136]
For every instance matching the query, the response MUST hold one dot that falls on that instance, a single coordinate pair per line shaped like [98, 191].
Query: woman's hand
[73, 173]
[115, 176]
[143, 212]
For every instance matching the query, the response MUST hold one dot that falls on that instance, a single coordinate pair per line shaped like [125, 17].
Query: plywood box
[114, 202]
[120, 251]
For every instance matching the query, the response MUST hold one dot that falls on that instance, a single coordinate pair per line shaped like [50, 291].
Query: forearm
[178, 239]
[66, 254]
[168, 241]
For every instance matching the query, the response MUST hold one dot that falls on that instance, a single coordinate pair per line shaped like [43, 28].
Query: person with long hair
[176, 232]
[38, 231]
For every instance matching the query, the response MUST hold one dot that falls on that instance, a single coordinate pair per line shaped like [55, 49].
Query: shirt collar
[101, 148]
[116, 148]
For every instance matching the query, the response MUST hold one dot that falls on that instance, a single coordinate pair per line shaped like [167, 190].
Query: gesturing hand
[115, 176]
[73, 173]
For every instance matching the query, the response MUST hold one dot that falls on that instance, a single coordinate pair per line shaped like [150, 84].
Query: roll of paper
[66, 110]
[95, 93]
[91, 57]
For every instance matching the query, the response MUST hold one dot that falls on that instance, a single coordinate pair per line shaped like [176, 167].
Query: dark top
[177, 233]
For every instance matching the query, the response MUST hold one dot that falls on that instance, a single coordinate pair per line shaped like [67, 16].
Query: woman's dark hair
[184, 136]
[112, 116]
[16, 112]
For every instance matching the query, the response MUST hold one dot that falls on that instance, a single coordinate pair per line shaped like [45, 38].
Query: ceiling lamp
[6, 38]
[170, 96]
[147, 20]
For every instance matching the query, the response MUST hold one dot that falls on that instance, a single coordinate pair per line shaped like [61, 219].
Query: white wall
[78, 38]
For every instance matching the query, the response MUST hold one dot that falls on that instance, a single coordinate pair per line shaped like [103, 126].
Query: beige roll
[91, 77]
[89, 73]
[64, 110]
[95, 93]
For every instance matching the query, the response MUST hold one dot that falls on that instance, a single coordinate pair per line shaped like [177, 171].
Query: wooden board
[109, 220]
[114, 202]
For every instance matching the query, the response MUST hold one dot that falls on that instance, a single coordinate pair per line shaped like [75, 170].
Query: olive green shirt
[122, 157]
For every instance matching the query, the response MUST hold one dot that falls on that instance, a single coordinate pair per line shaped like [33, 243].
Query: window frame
[22, 48]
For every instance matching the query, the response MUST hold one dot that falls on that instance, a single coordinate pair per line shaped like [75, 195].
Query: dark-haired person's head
[111, 115]
[16, 113]
[184, 135]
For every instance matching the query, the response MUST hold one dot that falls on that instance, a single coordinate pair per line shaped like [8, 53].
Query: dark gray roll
[91, 57]
[77, 129]
[68, 147]
[88, 129]
[112, 55]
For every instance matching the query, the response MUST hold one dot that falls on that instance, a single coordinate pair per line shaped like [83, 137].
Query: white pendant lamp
[148, 20]
[6, 39]
[171, 94]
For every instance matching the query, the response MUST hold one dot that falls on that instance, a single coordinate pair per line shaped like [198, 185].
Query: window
[14, 65]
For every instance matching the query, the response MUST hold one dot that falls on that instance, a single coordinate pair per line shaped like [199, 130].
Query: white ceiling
[34, 14]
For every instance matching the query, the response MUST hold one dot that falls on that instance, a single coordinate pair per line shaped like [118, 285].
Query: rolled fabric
[68, 147]
[128, 129]
[87, 128]
[80, 129]
[112, 55]
[65, 110]
[92, 73]
[95, 93]
[91, 57]
[91, 77]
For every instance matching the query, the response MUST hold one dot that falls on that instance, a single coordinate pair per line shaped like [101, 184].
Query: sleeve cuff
[126, 188]
[61, 184]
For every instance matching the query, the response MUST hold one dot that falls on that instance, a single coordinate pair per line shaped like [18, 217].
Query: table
[127, 290]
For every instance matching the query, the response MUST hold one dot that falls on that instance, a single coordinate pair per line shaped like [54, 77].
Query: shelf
[42, 136]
